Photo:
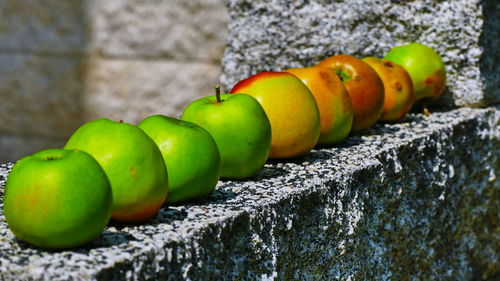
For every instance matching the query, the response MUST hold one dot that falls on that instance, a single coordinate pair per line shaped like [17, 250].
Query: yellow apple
[291, 109]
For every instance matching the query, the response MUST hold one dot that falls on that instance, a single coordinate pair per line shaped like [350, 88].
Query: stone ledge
[416, 200]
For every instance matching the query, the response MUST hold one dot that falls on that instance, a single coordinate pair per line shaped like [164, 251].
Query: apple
[398, 88]
[425, 67]
[132, 162]
[334, 104]
[190, 154]
[291, 108]
[364, 86]
[57, 199]
[240, 128]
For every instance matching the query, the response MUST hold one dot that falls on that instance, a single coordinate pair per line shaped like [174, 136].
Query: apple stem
[426, 111]
[217, 93]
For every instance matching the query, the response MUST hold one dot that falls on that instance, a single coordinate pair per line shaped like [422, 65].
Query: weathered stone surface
[189, 30]
[490, 42]
[43, 26]
[276, 35]
[14, 147]
[40, 96]
[40, 41]
[132, 90]
[416, 200]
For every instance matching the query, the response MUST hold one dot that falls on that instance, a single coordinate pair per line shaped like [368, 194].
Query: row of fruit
[60, 198]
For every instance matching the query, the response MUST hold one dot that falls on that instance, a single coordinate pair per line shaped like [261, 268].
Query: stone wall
[64, 63]
[41, 74]
[280, 34]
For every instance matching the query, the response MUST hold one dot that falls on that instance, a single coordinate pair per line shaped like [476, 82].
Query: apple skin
[364, 86]
[240, 128]
[57, 199]
[133, 163]
[425, 68]
[398, 88]
[333, 102]
[291, 108]
[190, 154]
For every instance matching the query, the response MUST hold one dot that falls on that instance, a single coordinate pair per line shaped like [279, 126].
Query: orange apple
[334, 104]
[291, 109]
[364, 86]
[398, 88]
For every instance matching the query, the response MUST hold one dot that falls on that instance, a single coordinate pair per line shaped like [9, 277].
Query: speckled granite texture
[416, 200]
[279, 34]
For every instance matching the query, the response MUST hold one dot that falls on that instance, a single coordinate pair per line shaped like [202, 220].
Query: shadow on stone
[350, 141]
[315, 155]
[489, 42]
[218, 196]
[165, 215]
[25, 246]
[267, 173]
[108, 239]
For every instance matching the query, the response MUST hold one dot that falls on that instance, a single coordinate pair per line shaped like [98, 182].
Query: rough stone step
[415, 200]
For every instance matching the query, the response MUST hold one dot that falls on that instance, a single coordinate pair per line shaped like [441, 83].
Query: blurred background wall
[63, 63]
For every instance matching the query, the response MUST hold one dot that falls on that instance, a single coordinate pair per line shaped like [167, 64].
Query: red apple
[364, 86]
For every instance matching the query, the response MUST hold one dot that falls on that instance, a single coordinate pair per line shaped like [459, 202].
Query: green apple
[240, 128]
[190, 154]
[57, 199]
[132, 162]
[425, 67]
